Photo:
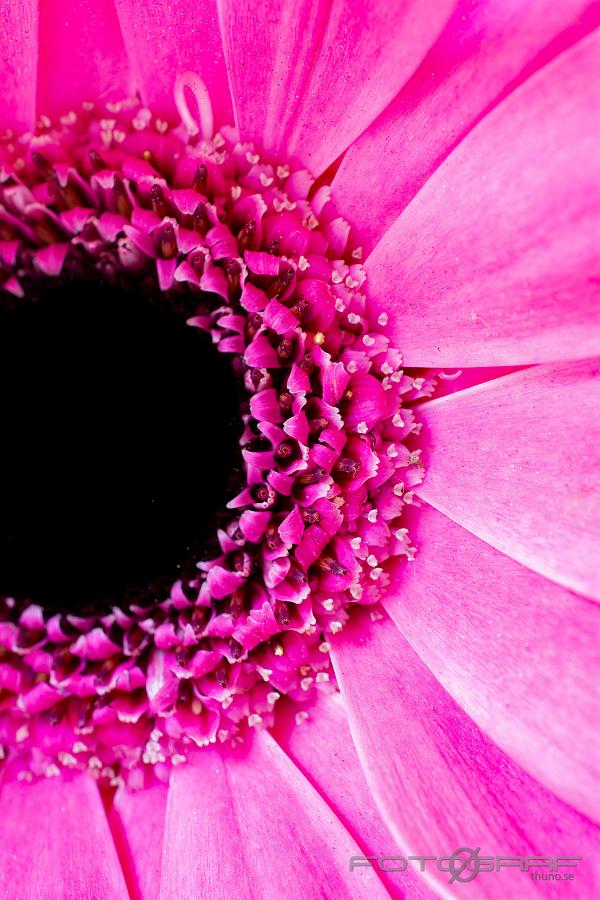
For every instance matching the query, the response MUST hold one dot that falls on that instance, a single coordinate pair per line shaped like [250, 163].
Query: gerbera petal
[515, 461]
[439, 782]
[495, 260]
[165, 40]
[81, 55]
[137, 820]
[246, 823]
[485, 51]
[320, 744]
[19, 56]
[449, 382]
[311, 80]
[531, 677]
[55, 841]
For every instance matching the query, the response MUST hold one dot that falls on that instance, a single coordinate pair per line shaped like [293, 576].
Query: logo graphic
[464, 864]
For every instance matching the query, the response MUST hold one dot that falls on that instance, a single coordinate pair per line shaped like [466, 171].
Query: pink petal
[222, 581]
[321, 747]
[246, 823]
[260, 625]
[82, 56]
[165, 40]
[265, 406]
[292, 527]
[253, 524]
[262, 263]
[369, 403]
[450, 383]
[50, 260]
[308, 81]
[40, 697]
[55, 841]
[137, 820]
[438, 781]
[18, 61]
[279, 317]
[486, 50]
[525, 635]
[495, 261]
[516, 461]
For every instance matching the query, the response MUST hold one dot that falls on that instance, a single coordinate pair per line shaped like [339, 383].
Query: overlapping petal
[164, 40]
[439, 782]
[485, 51]
[495, 261]
[137, 820]
[516, 462]
[312, 79]
[247, 823]
[19, 54]
[56, 842]
[319, 743]
[81, 55]
[519, 653]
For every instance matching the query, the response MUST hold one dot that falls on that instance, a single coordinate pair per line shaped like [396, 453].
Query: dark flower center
[119, 434]
[229, 534]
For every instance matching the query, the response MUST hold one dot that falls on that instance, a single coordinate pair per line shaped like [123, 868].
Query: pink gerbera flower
[275, 620]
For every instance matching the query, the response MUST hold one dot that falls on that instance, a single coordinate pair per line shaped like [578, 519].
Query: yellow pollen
[319, 338]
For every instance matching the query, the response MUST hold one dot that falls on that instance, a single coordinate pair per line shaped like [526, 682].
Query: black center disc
[119, 428]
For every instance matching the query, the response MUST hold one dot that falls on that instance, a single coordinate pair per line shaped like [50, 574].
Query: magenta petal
[525, 635]
[82, 56]
[55, 841]
[50, 259]
[246, 823]
[265, 406]
[438, 781]
[496, 260]
[279, 317]
[292, 527]
[319, 742]
[18, 61]
[253, 524]
[281, 72]
[369, 403]
[137, 819]
[515, 461]
[222, 581]
[165, 40]
[484, 52]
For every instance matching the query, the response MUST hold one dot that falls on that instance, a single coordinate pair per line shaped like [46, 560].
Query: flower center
[252, 253]
[120, 431]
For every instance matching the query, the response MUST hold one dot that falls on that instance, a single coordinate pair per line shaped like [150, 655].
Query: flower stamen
[237, 245]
